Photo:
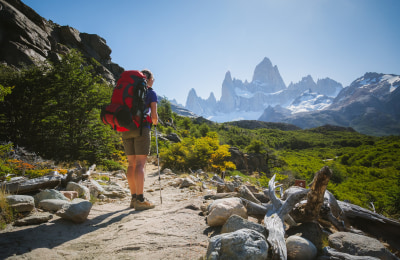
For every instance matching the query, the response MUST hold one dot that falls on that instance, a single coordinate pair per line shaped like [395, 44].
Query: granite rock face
[28, 38]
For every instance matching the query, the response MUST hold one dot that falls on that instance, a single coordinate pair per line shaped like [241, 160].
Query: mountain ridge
[370, 104]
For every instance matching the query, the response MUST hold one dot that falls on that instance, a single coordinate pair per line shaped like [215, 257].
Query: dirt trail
[173, 230]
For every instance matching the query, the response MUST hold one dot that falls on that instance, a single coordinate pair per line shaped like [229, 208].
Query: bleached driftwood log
[274, 219]
[245, 193]
[310, 211]
[256, 210]
[221, 196]
[27, 186]
[24, 186]
[330, 253]
[372, 223]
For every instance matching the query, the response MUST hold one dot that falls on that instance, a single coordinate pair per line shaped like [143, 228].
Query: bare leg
[130, 174]
[139, 173]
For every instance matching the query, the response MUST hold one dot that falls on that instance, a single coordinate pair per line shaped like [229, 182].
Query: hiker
[137, 148]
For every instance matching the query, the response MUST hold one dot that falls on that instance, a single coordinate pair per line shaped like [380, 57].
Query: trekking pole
[158, 162]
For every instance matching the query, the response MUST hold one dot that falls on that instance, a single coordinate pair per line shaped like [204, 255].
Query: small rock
[70, 194]
[83, 191]
[187, 182]
[21, 203]
[34, 219]
[299, 248]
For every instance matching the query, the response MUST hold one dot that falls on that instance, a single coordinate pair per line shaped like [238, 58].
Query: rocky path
[173, 230]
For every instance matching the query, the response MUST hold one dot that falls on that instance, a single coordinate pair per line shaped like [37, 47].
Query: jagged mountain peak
[192, 92]
[228, 78]
[268, 76]
[212, 98]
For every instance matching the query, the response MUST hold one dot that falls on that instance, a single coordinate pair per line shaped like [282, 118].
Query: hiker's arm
[154, 114]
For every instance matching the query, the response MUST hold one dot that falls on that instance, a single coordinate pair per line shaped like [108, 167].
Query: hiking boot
[146, 204]
[133, 201]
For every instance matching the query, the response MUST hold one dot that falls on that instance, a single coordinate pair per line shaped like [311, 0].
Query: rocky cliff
[28, 38]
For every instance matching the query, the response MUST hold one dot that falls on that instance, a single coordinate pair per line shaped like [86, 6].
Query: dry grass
[6, 213]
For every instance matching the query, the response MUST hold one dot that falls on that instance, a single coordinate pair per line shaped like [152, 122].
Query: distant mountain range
[370, 104]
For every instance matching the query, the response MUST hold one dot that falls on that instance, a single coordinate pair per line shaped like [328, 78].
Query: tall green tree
[54, 109]
[165, 111]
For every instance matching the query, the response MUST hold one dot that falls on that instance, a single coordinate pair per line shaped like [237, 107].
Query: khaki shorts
[136, 144]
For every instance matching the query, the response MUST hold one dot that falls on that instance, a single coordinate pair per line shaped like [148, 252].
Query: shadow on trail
[59, 230]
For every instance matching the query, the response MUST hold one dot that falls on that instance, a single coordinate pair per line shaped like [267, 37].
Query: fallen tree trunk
[32, 185]
[24, 186]
[372, 223]
[274, 219]
[315, 198]
[310, 210]
[330, 253]
[256, 210]
[221, 196]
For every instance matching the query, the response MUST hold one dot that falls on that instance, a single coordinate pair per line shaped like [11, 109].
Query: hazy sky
[193, 43]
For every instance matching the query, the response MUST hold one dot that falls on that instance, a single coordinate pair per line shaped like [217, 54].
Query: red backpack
[126, 111]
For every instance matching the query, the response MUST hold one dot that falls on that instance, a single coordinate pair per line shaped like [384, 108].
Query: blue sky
[192, 43]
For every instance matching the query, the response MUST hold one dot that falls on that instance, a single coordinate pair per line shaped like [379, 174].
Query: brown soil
[175, 229]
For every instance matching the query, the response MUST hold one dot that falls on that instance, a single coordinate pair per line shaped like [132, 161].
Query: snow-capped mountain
[248, 100]
[370, 105]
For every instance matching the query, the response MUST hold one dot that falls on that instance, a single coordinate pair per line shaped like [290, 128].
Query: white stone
[220, 210]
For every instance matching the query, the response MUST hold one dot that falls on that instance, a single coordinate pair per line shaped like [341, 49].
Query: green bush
[110, 165]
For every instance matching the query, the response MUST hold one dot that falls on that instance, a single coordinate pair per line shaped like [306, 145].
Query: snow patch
[309, 102]
[391, 80]
[235, 116]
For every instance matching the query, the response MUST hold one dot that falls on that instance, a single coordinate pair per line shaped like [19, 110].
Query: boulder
[21, 203]
[173, 137]
[220, 210]
[77, 211]
[299, 248]
[49, 194]
[241, 244]
[52, 204]
[236, 222]
[359, 245]
[309, 230]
